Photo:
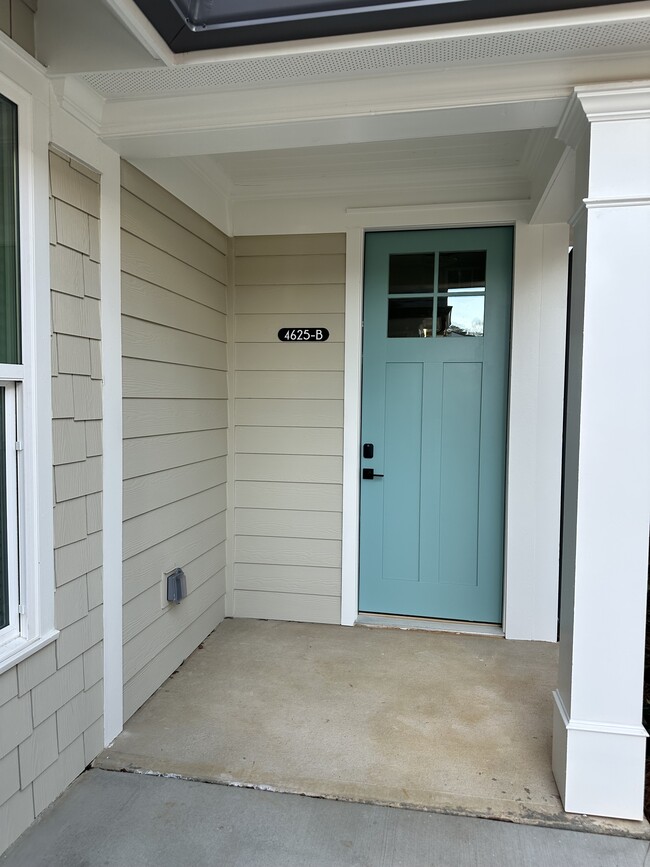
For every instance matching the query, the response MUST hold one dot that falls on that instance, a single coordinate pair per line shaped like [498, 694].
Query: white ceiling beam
[179, 137]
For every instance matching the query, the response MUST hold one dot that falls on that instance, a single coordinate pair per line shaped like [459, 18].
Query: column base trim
[599, 767]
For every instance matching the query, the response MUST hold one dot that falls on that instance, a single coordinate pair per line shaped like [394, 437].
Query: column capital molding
[596, 103]
[622, 101]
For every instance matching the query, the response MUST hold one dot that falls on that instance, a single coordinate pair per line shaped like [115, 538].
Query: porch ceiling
[452, 112]
[497, 157]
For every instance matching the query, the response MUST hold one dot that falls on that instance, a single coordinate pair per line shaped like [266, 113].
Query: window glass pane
[463, 271]
[410, 317]
[411, 273]
[4, 577]
[460, 316]
[9, 269]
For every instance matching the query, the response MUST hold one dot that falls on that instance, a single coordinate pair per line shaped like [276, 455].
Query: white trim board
[78, 141]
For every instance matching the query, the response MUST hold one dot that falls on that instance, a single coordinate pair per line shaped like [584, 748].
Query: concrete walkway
[108, 819]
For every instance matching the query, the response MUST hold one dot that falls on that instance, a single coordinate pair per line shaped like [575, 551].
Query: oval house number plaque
[303, 335]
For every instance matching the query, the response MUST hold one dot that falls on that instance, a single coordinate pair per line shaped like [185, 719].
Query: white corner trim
[231, 454]
[111, 312]
[77, 140]
[79, 100]
[352, 426]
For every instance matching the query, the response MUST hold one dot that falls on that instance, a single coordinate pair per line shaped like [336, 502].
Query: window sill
[19, 649]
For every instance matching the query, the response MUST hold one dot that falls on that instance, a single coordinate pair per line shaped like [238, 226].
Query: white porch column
[598, 739]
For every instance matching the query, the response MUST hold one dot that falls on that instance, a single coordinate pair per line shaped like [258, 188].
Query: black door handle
[369, 473]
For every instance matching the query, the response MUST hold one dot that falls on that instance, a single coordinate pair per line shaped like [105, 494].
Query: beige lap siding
[288, 428]
[51, 723]
[174, 276]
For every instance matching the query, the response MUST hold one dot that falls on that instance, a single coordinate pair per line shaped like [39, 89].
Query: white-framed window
[26, 549]
[11, 375]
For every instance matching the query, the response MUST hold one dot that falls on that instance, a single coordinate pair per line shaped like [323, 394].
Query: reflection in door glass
[411, 273]
[460, 316]
[463, 271]
[410, 317]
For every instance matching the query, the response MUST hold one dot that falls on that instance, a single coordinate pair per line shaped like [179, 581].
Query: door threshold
[391, 621]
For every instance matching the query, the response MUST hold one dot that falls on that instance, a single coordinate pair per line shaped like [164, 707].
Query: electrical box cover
[176, 586]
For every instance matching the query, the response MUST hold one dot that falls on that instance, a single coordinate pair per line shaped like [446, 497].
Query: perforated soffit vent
[497, 47]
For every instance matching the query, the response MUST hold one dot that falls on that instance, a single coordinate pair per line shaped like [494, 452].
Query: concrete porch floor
[449, 723]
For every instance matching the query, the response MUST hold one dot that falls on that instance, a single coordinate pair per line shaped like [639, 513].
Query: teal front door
[435, 375]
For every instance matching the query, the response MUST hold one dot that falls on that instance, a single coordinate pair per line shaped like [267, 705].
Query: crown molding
[79, 100]
[597, 103]
[623, 101]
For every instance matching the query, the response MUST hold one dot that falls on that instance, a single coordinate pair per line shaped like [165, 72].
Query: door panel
[435, 365]
[401, 491]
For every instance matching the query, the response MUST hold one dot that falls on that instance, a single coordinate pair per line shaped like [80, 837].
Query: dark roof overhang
[193, 25]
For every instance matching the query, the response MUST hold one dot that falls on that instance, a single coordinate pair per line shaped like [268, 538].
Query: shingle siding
[51, 704]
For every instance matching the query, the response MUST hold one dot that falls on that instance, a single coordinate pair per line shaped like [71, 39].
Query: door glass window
[462, 272]
[460, 316]
[411, 273]
[456, 292]
[461, 294]
[410, 317]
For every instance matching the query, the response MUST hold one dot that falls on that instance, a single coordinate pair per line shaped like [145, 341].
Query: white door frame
[536, 391]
